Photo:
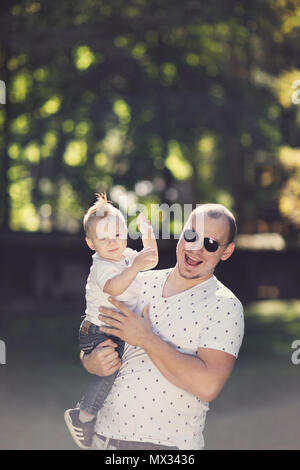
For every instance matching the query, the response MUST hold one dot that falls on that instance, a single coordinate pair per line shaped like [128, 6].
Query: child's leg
[81, 422]
[90, 336]
[95, 395]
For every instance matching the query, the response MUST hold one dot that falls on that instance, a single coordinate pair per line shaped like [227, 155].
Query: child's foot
[82, 433]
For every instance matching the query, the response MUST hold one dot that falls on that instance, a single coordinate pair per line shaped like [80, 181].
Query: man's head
[105, 229]
[207, 238]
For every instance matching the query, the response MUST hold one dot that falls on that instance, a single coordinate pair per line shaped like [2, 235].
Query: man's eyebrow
[206, 236]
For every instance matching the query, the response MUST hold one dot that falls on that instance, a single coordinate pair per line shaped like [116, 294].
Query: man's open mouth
[191, 261]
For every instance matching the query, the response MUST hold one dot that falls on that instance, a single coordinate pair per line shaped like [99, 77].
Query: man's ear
[228, 252]
[89, 243]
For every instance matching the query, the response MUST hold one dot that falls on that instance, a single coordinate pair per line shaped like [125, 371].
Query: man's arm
[203, 376]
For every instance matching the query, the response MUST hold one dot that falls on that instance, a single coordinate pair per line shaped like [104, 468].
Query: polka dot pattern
[156, 410]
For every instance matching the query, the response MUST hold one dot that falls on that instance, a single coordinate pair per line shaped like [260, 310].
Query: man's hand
[103, 360]
[128, 326]
[145, 259]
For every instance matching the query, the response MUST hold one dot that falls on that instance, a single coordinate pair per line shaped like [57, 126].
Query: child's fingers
[141, 218]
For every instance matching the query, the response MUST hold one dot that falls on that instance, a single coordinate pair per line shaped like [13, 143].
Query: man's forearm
[187, 372]
[202, 376]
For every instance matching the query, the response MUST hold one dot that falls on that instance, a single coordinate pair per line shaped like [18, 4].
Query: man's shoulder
[225, 296]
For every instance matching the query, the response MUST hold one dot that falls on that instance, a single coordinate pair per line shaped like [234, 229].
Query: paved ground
[259, 407]
[258, 410]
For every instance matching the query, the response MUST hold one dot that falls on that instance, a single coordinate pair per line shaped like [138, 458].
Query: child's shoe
[82, 433]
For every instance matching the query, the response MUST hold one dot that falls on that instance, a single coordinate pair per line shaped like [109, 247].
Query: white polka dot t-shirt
[143, 405]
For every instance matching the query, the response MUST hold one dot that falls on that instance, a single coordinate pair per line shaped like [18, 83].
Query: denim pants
[89, 337]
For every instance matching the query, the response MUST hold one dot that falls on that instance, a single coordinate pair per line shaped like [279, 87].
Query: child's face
[109, 237]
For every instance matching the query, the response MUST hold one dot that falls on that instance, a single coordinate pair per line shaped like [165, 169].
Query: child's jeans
[89, 337]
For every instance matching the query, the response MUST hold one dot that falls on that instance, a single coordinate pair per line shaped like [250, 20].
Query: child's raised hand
[145, 259]
[144, 225]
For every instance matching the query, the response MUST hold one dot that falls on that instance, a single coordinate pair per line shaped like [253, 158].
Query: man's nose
[196, 246]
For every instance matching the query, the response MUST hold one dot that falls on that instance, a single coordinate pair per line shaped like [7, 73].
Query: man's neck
[175, 283]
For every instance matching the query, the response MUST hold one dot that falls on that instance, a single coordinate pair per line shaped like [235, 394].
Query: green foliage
[271, 328]
[192, 94]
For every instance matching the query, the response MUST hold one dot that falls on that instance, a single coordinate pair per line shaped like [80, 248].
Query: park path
[268, 427]
[258, 409]
[271, 427]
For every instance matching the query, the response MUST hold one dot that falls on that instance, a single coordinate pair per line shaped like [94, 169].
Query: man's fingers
[107, 352]
[113, 368]
[109, 321]
[108, 331]
[115, 363]
[112, 361]
[107, 342]
[120, 306]
[110, 313]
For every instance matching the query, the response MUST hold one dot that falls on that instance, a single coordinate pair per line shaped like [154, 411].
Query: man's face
[199, 263]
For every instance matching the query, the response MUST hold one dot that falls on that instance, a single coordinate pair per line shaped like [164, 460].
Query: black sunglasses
[210, 244]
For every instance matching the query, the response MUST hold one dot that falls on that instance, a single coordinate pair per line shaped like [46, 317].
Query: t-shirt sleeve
[131, 254]
[104, 272]
[224, 329]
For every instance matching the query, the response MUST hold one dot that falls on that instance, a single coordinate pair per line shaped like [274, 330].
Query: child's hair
[99, 210]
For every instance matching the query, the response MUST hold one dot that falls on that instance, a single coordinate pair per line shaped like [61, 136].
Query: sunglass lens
[211, 245]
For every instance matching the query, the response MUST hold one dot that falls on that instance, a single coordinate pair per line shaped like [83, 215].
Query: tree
[182, 95]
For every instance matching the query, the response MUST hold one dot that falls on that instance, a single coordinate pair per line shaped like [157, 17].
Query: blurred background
[166, 102]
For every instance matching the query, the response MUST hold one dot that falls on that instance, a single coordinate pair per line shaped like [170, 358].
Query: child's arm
[148, 236]
[118, 284]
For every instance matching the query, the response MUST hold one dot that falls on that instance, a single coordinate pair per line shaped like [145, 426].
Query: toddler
[113, 273]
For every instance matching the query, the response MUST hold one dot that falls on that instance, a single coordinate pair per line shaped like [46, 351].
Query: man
[180, 350]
